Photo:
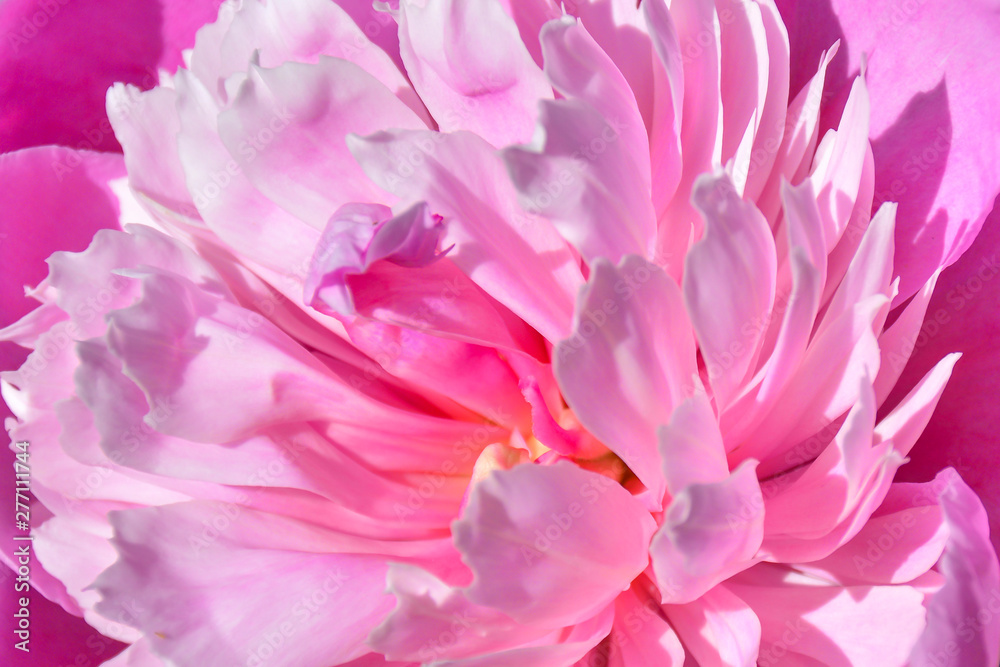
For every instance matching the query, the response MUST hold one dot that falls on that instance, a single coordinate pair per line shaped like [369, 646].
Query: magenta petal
[962, 317]
[50, 98]
[44, 188]
[936, 137]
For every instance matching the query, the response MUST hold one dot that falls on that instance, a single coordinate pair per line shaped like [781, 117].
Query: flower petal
[191, 603]
[519, 260]
[630, 334]
[963, 618]
[523, 526]
[471, 68]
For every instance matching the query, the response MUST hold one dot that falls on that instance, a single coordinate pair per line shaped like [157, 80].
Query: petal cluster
[492, 334]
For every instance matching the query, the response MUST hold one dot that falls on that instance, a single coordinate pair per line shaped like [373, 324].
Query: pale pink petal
[471, 69]
[800, 302]
[963, 618]
[630, 334]
[521, 526]
[139, 654]
[588, 168]
[76, 557]
[801, 132]
[718, 630]
[618, 26]
[668, 100]
[519, 260]
[286, 127]
[729, 283]
[902, 540]
[579, 69]
[436, 623]
[823, 388]
[147, 124]
[302, 31]
[750, 100]
[192, 604]
[837, 173]
[247, 221]
[808, 618]
[870, 270]
[691, 446]
[771, 120]
[710, 531]
[860, 218]
[810, 516]
[696, 22]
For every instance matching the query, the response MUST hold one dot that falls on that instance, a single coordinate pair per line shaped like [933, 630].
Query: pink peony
[505, 335]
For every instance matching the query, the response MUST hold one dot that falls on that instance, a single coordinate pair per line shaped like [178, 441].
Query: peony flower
[498, 335]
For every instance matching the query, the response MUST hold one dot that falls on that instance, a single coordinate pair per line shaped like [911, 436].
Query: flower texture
[489, 334]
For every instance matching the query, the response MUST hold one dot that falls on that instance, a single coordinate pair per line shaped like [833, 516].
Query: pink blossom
[431, 333]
